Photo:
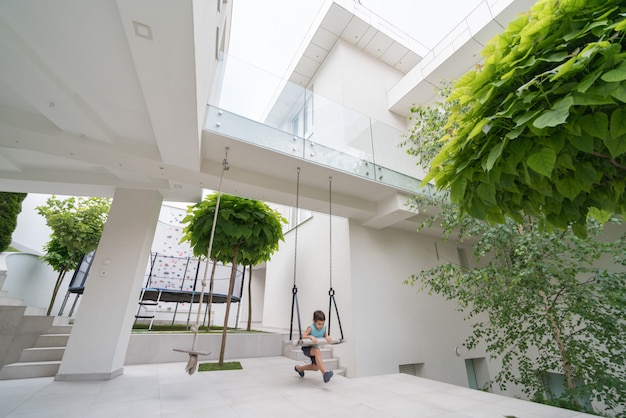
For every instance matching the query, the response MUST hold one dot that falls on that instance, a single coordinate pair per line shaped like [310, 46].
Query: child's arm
[307, 334]
[327, 337]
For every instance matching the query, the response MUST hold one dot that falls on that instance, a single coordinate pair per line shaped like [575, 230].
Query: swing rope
[192, 363]
[294, 290]
[331, 292]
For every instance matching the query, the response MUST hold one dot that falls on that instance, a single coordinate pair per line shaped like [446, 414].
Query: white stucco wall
[394, 324]
[312, 279]
[360, 83]
[32, 233]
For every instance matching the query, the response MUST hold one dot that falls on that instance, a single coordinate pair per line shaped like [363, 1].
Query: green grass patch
[12, 250]
[214, 367]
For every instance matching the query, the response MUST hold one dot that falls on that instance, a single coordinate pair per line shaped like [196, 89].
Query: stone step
[29, 370]
[52, 340]
[60, 329]
[37, 354]
[3, 293]
[33, 311]
[7, 301]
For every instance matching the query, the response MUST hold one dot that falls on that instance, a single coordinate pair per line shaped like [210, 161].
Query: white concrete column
[97, 346]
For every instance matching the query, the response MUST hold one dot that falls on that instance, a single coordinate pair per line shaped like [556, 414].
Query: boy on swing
[316, 330]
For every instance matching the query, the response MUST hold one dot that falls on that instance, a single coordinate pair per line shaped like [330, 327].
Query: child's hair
[319, 316]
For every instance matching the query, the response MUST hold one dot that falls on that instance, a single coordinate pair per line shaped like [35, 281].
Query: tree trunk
[567, 366]
[211, 282]
[60, 278]
[249, 299]
[228, 298]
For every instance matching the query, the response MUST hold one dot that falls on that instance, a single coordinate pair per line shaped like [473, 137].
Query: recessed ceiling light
[142, 30]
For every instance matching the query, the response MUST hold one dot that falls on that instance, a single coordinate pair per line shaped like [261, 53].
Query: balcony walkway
[266, 387]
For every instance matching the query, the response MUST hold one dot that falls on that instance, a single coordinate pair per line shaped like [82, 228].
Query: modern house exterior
[139, 101]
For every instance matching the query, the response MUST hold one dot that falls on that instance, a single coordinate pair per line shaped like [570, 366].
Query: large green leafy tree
[537, 300]
[77, 225]
[539, 128]
[246, 231]
[10, 207]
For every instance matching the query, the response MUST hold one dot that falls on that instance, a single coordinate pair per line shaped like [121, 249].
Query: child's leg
[315, 352]
[308, 351]
[305, 367]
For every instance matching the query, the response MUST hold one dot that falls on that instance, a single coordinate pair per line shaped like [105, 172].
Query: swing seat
[197, 353]
[306, 342]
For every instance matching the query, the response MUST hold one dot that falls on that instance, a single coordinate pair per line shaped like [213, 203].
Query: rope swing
[192, 363]
[294, 290]
[295, 307]
[331, 292]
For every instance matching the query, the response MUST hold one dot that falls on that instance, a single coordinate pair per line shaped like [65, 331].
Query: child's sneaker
[301, 373]
[327, 376]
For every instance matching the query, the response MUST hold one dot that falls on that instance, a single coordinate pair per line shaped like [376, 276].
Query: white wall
[360, 82]
[258, 296]
[312, 278]
[32, 233]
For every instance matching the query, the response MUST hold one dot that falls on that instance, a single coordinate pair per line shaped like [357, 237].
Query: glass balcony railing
[255, 106]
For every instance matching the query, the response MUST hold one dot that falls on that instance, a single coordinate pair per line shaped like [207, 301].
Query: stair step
[7, 301]
[38, 354]
[33, 311]
[61, 329]
[52, 340]
[29, 370]
[3, 293]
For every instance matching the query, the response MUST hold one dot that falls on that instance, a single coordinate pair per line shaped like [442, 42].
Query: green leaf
[543, 161]
[586, 173]
[620, 93]
[495, 153]
[618, 74]
[587, 82]
[583, 143]
[616, 145]
[596, 124]
[457, 189]
[569, 187]
[618, 122]
[555, 116]
[487, 192]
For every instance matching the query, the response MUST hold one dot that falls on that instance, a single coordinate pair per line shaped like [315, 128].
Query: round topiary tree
[539, 127]
[246, 230]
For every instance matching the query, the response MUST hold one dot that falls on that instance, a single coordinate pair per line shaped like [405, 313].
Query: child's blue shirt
[318, 333]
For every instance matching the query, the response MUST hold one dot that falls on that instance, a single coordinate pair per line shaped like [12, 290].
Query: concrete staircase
[330, 362]
[42, 360]
[40, 339]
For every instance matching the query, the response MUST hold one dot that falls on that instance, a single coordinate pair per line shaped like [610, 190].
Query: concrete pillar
[97, 346]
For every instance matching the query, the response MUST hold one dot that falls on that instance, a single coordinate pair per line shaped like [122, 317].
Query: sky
[268, 33]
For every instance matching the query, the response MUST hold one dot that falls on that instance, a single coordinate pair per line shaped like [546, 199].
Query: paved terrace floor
[266, 387]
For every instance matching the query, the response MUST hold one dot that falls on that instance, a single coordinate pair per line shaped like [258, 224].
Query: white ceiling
[88, 103]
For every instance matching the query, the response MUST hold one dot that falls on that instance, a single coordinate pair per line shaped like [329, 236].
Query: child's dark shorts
[307, 352]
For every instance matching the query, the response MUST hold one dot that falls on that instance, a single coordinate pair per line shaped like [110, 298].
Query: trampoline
[169, 279]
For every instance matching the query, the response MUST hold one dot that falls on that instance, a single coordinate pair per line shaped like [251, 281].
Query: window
[296, 217]
[554, 385]
[477, 373]
[302, 121]
[414, 369]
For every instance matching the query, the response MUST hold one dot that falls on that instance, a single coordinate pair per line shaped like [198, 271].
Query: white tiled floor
[266, 387]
